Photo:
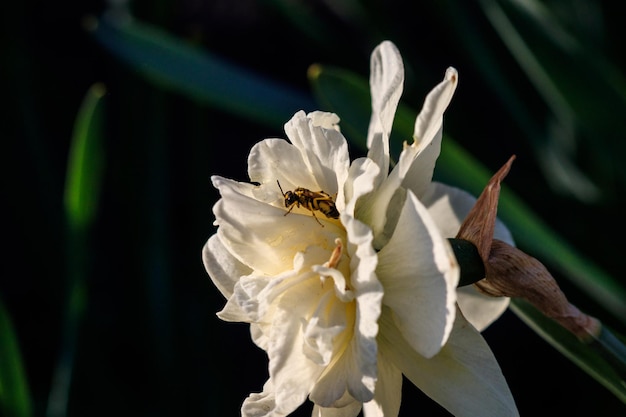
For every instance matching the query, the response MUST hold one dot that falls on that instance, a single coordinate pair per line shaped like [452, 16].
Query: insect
[311, 200]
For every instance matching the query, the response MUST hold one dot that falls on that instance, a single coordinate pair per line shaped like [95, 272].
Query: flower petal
[223, 269]
[324, 330]
[324, 151]
[417, 161]
[430, 119]
[464, 377]
[388, 394]
[386, 82]
[277, 159]
[479, 309]
[350, 410]
[261, 404]
[360, 182]
[419, 273]
[292, 373]
[369, 295]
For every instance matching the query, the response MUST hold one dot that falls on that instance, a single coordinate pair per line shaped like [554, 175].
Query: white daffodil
[344, 272]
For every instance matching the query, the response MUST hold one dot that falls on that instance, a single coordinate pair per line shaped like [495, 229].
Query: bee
[311, 200]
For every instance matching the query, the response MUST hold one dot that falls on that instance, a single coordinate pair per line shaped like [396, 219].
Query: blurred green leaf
[85, 163]
[338, 90]
[583, 355]
[556, 59]
[175, 64]
[577, 83]
[15, 397]
[82, 191]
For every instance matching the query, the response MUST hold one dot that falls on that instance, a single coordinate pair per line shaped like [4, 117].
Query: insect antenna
[281, 188]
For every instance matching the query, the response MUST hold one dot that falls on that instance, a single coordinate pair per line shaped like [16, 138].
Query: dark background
[149, 342]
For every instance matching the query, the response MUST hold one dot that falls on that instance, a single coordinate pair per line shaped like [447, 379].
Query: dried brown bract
[512, 273]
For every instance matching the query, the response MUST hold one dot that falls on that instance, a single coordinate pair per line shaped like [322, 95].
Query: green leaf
[589, 357]
[179, 66]
[85, 163]
[15, 399]
[82, 191]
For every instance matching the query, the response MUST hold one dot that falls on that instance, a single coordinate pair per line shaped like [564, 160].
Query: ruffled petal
[233, 312]
[324, 151]
[292, 371]
[361, 178]
[223, 269]
[261, 404]
[464, 377]
[419, 273]
[388, 395]
[276, 159]
[261, 236]
[325, 331]
[369, 295]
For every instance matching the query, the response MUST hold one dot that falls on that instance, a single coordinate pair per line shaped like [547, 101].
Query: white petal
[324, 119]
[377, 210]
[323, 330]
[350, 410]
[386, 82]
[261, 404]
[324, 152]
[430, 119]
[233, 312]
[360, 182]
[342, 290]
[369, 294]
[260, 334]
[417, 162]
[464, 377]
[479, 309]
[261, 236]
[223, 268]
[291, 371]
[388, 395]
[277, 159]
[419, 273]
[254, 294]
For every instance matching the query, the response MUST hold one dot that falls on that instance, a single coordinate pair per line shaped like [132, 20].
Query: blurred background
[119, 317]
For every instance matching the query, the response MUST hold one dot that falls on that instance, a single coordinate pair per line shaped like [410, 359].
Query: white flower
[344, 306]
